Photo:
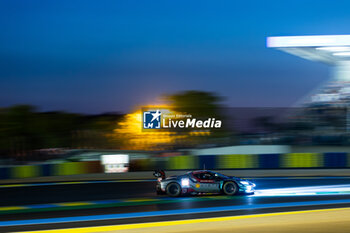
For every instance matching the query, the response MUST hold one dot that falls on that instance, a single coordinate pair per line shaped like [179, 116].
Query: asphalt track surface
[84, 204]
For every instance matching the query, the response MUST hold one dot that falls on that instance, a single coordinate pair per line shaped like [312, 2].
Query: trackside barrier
[237, 161]
[70, 168]
[187, 162]
[303, 160]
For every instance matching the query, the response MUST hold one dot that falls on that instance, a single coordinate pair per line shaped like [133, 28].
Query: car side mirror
[157, 174]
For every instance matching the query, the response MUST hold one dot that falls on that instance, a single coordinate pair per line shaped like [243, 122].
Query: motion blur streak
[72, 182]
[310, 190]
[168, 212]
[329, 212]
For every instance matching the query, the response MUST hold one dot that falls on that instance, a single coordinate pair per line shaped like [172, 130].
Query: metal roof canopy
[329, 49]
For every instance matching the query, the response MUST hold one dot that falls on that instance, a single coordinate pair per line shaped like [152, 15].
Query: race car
[200, 182]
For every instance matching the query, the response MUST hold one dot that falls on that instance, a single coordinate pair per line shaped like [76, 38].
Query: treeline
[24, 130]
[27, 134]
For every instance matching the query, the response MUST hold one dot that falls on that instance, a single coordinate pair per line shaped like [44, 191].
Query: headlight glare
[244, 182]
[185, 182]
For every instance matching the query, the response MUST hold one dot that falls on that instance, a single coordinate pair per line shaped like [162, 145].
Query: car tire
[230, 188]
[173, 190]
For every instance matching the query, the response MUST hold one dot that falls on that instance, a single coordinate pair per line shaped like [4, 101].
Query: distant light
[115, 159]
[342, 54]
[115, 163]
[334, 49]
[308, 41]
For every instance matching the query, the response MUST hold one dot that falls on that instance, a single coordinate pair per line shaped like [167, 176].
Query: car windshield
[216, 174]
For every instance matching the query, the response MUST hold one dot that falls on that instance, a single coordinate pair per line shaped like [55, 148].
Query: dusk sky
[106, 56]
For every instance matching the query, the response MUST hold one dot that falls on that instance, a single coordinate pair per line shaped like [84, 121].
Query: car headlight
[185, 182]
[244, 182]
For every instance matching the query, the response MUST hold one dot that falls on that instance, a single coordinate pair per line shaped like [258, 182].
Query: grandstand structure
[333, 50]
[327, 111]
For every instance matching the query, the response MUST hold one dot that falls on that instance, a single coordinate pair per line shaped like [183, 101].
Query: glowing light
[115, 159]
[308, 41]
[306, 191]
[185, 182]
[129, 133]
[334, 49]
[342, 54]
[115, 163]
[244, 182]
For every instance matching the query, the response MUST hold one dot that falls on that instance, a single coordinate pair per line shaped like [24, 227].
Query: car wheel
[230, 188]
[173, 189]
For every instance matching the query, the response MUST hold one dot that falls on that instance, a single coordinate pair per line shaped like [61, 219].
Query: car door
[207, 182]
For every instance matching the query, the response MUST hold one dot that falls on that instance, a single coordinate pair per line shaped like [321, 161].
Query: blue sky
[102, 56]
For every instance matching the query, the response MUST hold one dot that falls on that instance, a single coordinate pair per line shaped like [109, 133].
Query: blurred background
[318, 129]
[75, 75]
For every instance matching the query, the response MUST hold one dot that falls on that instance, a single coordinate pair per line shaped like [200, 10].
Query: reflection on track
[123, 202]
[274, 192]
[168, 212]
[305, 191]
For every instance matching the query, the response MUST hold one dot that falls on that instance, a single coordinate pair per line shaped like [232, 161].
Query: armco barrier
[260, 161]
[269, 161]
[237, 161]
[70, 168]
[303, 160]
[215, 162]
[25, 171]
[334, 160]
[182, 162]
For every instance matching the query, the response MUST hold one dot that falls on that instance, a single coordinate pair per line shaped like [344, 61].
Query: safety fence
[69, 168]
[258, 161]
[183, 162]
